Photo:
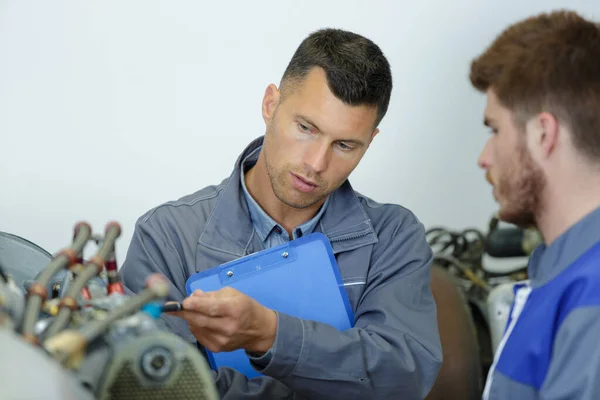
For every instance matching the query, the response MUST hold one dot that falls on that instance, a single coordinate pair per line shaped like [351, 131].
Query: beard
[520, 187]
[281, 187]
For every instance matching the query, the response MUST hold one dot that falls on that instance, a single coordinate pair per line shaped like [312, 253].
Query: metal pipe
[69, 346]
[68, 302]
[38, 293]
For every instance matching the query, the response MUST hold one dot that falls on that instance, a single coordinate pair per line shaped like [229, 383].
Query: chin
[521, 218]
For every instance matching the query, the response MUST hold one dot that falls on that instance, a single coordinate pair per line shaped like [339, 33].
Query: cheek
[292, 141]
[341, 167]
[500, 153]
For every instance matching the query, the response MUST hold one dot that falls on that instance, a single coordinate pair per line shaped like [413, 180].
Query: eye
[344, 146]
[304, 128]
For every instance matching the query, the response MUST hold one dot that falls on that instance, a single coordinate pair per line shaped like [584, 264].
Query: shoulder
[192, 209]
[388, 216]
[398, 231]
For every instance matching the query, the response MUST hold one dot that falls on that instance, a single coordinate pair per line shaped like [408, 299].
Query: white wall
[110, 108]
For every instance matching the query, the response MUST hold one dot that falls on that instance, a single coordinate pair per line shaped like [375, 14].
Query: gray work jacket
[394, 350]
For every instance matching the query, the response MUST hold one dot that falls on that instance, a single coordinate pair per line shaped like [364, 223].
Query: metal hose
[37, 292]
[68, 303]
[69, 346]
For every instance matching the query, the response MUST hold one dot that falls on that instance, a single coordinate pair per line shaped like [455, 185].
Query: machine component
[68, 346]
[12, 303]
[38, 293]
[504, 243]
[172, 307]
[114, 284]
[460, 374]
[21, 259]
[156, 366]
[89, 339]
[510, 242]
[28, 373]
[499, 304]
[157, 363]
[82, 276]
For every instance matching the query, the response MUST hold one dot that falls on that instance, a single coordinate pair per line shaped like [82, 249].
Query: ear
[375, 132]
[270, 102]
[547, 135]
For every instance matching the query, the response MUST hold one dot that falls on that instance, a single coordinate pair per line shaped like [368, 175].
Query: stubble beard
[521, 187]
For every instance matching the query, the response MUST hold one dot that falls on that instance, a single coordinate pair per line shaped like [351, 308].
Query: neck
[565, 205]
[259, 186]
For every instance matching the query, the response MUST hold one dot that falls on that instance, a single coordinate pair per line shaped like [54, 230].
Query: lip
[303, 185]
[304, 179]
[488, 177]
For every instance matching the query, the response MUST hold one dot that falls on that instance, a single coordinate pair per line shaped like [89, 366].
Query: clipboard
[299, 278]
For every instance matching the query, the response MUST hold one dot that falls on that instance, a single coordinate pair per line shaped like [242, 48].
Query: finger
[190, 316]
[200, 321]
[211, 306]
[215, 341]
[198, 293]
[208, 340]
[179, 314]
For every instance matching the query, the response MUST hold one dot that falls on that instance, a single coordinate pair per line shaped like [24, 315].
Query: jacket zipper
[351, 237]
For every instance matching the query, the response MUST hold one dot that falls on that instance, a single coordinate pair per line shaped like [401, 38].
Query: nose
[485, 158]
[317, 156]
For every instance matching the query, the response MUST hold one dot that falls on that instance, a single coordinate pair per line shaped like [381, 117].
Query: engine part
[156, 366]
[89, 339]
[21, 259]
[28, 373]
[12, 303]
[37, 291]
[499, 304]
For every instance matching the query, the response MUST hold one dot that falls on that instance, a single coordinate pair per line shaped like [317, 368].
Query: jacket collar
[547, 262]
[229, 227]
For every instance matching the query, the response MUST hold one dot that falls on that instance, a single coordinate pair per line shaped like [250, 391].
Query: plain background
[110, 108]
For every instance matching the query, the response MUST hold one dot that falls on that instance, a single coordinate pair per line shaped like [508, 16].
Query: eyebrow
[309, 122]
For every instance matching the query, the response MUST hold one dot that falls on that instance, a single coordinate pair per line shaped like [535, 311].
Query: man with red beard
[542, 80]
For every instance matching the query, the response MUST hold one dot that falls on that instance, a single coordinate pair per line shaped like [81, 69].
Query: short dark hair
[549, 62]
[357, 71]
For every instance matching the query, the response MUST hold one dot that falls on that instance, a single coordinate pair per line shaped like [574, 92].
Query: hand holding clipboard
[228, 320]
[236, 301]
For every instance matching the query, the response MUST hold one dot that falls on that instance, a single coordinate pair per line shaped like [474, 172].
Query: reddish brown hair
[549, 62]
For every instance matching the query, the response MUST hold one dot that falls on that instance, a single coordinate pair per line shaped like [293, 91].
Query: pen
[172, 307]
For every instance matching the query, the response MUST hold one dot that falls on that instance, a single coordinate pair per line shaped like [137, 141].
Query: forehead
[494, 110]
[492, 103]
[312, 98]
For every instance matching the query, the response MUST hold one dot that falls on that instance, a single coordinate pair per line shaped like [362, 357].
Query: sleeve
[394, 349]
[574, 370]
[150, 252]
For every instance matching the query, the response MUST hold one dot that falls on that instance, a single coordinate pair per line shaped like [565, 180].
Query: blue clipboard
[300, 278]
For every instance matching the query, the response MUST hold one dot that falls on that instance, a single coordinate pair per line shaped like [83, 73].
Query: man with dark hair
[542, 79]
[292, 182]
